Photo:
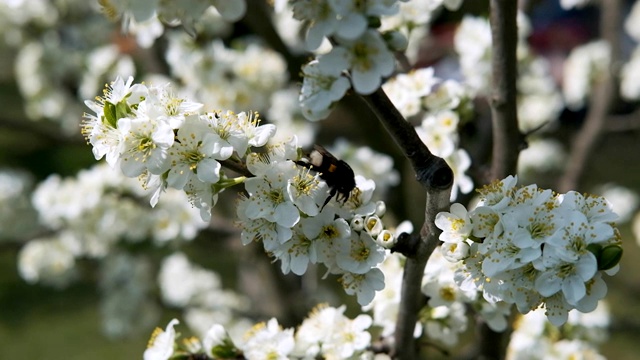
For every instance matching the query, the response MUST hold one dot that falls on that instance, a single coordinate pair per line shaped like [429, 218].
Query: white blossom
[161, 343]
[532, 247]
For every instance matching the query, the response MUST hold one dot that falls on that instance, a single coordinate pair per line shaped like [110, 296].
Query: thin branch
[602, 99]
[431, 171]
[436, 177]
[507, 139]
[237, 166]
[506, 135]
[45, 130]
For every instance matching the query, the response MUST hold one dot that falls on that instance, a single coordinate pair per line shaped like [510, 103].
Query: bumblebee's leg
[331, 195]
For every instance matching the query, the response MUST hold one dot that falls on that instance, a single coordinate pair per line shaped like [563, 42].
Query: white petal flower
[363, 285]
[294, 254]
[307, 192]
[269, 198]
[321, 87]
[193, 156]
[146, 143]
[268, 341]
[456, 225]
[323, 20]
[360, 254]
[161, 343]
[368, 59]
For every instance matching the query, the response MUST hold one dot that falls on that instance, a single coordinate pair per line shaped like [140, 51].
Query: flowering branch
[602, 99]
[436, 177]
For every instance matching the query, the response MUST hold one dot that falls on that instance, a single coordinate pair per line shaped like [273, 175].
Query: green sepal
[226, 350]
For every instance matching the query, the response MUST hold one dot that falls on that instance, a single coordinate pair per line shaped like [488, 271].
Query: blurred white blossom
[629, 81]
[584, 66]
[541, 156]
[534, 337]
[623, 200]
[569, 4]
[632, 22]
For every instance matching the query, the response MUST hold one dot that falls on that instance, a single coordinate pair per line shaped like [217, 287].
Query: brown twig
[506, 136]
[436, 177]
[603, 96]
[237, 166]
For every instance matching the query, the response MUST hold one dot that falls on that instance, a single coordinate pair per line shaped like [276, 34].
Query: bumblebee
[336, 173]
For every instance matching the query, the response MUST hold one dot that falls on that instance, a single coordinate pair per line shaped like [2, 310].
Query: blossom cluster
[145, 19]
[535, 338]
[284, 211]
[199, 293]
[442, 105]
[532, 247]
[360, 56]
[150, 133]
[44, 62]
[446, 313]
[243, 75]
[326, 333]
[90, 214]
[17, 215]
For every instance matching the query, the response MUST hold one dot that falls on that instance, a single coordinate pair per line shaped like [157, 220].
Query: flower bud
[396, 40]
[386, 239]
[373, 225]
[357, 223]
[381, 208]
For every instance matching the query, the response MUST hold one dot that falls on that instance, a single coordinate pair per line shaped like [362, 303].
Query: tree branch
[437, 178]
[506, 135]
[602, 99]
[507, 139]
[44, 129]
